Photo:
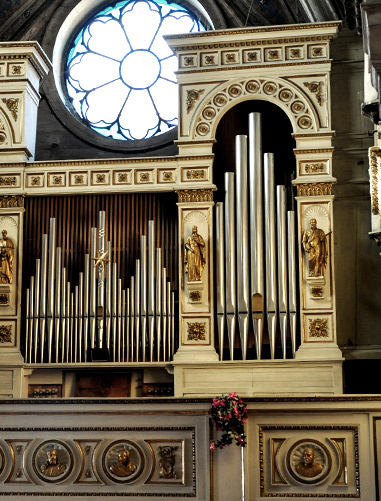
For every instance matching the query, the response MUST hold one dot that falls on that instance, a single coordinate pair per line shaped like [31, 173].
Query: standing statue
[315, 244]
[6, 256]
[194, 256]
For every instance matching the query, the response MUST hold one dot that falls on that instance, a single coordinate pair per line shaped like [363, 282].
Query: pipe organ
[65, 323]
[256, 263]
[261, 278]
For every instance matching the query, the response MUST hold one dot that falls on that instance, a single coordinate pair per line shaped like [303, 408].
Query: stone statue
[6, 256]
[315, 244]
[309, 467]
[123, 467]
[52, 467]
[194, 256]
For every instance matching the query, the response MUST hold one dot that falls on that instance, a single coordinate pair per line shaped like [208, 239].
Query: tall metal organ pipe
[135, 325]
[255, 253]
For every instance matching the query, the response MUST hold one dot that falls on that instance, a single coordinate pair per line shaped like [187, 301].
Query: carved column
[316, 259]
[196, 276]
[22, 66]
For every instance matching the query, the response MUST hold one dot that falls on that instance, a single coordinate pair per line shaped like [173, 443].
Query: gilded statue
[194, 256]
[52, 467]
[309, 467]
[123, 467]
[315, 244]
[6, 256]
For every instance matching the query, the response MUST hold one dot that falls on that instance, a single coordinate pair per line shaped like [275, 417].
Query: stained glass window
[120, 71]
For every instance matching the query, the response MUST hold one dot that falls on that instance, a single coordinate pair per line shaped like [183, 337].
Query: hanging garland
[229, 415]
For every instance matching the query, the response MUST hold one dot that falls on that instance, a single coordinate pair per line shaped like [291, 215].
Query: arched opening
[276, 138]
[255, 245]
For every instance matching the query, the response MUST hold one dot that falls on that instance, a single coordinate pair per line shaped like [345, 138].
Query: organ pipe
[270, 255]
[255, 252]
[82, 314]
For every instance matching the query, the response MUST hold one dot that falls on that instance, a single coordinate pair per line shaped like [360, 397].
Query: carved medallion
[309, 461]
[53, 461]
[123, 461]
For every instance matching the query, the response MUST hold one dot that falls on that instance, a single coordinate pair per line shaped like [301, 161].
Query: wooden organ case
[234, 288]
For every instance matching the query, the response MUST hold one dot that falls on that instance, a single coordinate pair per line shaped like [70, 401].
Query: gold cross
[101, 259]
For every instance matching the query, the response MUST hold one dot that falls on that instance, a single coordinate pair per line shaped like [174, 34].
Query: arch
[289, 97]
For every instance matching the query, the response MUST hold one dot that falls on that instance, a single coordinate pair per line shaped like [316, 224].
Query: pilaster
[196, 277]
[22, 66]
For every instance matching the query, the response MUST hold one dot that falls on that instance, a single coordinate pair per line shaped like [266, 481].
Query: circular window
[119, 72]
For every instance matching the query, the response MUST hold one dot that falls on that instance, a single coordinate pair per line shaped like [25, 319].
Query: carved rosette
[196, 331]
[318, 328]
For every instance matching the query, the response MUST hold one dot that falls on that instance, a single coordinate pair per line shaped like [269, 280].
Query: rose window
[120, 72]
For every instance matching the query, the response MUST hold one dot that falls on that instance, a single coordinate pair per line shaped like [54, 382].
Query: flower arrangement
[228, 414]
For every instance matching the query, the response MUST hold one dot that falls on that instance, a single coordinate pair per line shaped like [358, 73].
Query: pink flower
[233, 394]
[212, 446]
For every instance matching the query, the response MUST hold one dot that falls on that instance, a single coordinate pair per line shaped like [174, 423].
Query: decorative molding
[196, 174]
[5, 333]
[317, 292]
[314, 168]
[249, 31]
[196, 331]
[8, 181]
[195, 195]
[11, 201]
[13, 106]
[195, 296]
[316, 88]
[193, 96]
[284, 491]
[375, 178]
[314, 189]
[318, 327]
[285, 93]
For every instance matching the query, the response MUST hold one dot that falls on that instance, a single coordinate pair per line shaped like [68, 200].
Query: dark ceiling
[19, 19]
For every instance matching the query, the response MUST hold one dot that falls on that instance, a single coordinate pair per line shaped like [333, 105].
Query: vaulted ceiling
[26, 19]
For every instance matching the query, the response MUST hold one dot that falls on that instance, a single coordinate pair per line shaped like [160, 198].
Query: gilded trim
[11, 201]
[251, 66]
[299, 428]
[374, 178]
[267, 29]
[195, 195]
[314, 189]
